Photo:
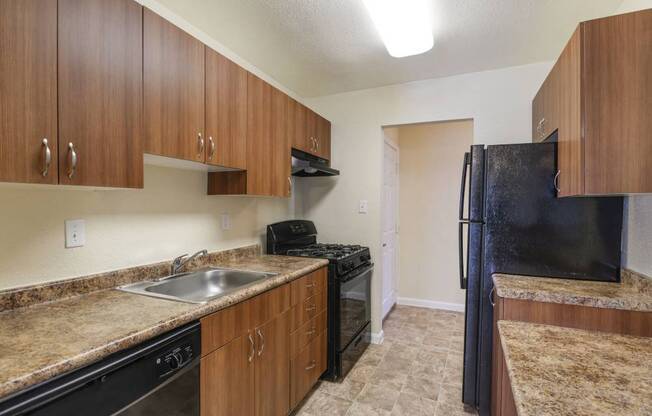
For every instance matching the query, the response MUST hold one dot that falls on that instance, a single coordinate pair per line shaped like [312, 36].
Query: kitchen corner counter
[559, 371]
[634, 293]
[48, 339]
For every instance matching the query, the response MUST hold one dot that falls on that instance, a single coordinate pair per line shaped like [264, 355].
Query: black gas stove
[349, 289]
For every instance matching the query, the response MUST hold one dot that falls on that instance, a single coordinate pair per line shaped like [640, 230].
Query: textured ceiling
[319, 47]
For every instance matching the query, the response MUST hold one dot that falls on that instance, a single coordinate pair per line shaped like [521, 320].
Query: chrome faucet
[180, 262]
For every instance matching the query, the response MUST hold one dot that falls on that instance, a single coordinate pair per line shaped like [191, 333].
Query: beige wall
[171, 216]
[429, 171]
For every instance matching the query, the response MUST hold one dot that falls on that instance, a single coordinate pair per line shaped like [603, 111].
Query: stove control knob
[348, 265]
[365, 257]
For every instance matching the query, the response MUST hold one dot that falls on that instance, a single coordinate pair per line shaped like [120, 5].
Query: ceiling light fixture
[404, 25]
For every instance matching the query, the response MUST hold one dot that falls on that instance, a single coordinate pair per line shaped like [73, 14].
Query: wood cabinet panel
[308, 309]
[272, 369]
[323, 138]
[617, 94]
[223, 326]
[227, 380]
[300, 138]
[173, 66]
[226, 112]
[100, 93]
[280, 145]
[307, 332]
[28, 85]
[268, 305]
[259, 143]
[309, 285]
[307, 367]
[570, 157]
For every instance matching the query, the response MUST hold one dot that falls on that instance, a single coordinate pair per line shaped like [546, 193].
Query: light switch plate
[75, 233]
[226, 222]
[363, 208]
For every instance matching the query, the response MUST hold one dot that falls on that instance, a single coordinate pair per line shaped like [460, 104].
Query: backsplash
[172, 215]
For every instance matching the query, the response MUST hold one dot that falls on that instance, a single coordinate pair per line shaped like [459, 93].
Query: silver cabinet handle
[312, 331]
[318, 142]
[251, 355]
[556, 181]
[311, 285]
[47, 158]
[211, 152]
[312, 365]
[73, 160]
[262, 339]
[491, 296]
[200, 140]
[312, 308]
[290, 184]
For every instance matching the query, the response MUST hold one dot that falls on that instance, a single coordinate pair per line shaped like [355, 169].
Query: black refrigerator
[511, 221]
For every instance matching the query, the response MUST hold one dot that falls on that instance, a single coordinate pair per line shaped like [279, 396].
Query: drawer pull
[251, 354]
[312, 308]
[312, 331]
[310, 285]
[312, 365]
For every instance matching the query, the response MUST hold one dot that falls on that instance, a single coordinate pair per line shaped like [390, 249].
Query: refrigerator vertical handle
[465, 165]
[463, 278]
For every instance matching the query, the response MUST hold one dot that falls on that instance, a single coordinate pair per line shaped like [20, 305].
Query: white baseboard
[377, 337]
[430, 304]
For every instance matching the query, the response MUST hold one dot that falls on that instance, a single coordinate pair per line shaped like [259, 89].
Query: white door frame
[388, 304]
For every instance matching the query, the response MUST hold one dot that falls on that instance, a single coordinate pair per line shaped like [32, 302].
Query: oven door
[354, 304]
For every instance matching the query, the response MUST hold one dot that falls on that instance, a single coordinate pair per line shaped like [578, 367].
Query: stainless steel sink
[199, 286]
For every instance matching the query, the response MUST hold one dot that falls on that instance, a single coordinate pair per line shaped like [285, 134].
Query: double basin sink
[198, 286]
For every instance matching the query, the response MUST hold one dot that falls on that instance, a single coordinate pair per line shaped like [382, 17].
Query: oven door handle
[355, 273]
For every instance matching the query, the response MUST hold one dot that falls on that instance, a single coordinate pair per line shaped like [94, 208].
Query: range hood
[307, 165]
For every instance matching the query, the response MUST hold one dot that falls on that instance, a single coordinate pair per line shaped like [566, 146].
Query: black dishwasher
[158, 377]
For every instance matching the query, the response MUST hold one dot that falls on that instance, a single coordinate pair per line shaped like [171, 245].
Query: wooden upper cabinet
[173, 68]
[226, 112]
[28, 85]
[100, 93]
[323, 138]
[601, 87]
[298, 130]
[259, 136]
[281, 162]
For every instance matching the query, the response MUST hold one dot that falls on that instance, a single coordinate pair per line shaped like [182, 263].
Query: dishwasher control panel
[174, 359]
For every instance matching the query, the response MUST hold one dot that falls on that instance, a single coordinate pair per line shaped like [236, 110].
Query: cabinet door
[259, 130]
[173, 67]
[226, 112]
[537, 114]
[307, 367]
[280, 167]
[272, 379]
[227, 379]
[28, 85]
[323, 138]
[100, 93]
[298, 135]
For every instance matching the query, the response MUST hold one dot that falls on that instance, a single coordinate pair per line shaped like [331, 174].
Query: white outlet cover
[75, 233]
[364, 206]
[226, 222]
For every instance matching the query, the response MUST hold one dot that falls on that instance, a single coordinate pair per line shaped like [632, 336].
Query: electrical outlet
[226, 222]
[363, 208]
[75, 233]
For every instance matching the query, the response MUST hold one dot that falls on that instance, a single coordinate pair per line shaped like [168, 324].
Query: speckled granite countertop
[559, 371]
[633, 293]
[44, 340]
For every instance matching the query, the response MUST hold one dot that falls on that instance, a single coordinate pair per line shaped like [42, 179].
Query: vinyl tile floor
[417, 370]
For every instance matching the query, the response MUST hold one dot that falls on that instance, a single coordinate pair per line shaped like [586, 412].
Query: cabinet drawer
[306, 368]
[221, 327]
[308, 285]
[308, 309]
[307, 332]
[268, 305]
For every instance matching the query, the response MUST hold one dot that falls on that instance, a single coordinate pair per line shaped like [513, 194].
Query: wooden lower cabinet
[251, 359]
[306, 368]
[572, 316]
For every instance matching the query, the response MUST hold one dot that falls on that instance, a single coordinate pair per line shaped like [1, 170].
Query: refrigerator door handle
[463, 277]
[465, 165]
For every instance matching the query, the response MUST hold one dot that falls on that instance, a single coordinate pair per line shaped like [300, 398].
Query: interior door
[227, 379]
[390, 227]
[28, 86]
[100, 93]
[173, 67]
[272, 367]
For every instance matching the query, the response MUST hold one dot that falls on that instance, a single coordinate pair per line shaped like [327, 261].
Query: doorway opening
[422, 168]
